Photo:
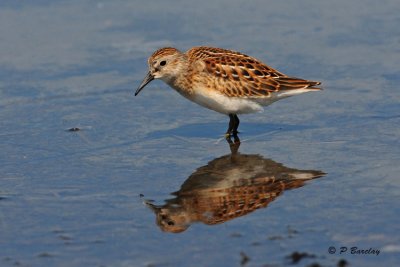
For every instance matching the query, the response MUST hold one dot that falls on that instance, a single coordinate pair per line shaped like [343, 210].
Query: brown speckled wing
[243, 76]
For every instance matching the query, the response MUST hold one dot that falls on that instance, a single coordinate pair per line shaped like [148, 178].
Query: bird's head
[164, 64]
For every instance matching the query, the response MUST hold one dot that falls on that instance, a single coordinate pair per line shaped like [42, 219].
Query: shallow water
[91, 197]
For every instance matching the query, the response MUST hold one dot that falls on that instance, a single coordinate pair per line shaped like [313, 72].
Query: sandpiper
[223, 80]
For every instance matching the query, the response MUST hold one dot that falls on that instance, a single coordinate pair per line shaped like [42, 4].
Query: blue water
[79, 198]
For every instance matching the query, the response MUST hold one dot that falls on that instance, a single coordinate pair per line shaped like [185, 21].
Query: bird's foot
[231, 133]
[234, 134]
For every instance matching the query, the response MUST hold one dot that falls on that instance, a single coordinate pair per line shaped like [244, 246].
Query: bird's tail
[291, 83]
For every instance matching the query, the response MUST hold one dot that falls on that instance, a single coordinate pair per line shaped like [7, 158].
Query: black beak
[151, 206]
[149, 77]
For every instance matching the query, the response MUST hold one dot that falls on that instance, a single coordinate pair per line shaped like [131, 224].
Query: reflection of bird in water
[228, 187]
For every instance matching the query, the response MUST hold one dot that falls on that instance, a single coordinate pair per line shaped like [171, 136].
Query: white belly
[236, 105]
[224, 104]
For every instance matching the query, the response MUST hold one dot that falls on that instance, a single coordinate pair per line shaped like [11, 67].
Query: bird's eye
[163, 63]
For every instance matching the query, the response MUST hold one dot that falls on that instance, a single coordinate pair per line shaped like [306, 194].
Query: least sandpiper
[225, 81]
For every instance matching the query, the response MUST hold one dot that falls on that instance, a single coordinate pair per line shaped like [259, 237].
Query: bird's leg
[231, 125]
[236, 125]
